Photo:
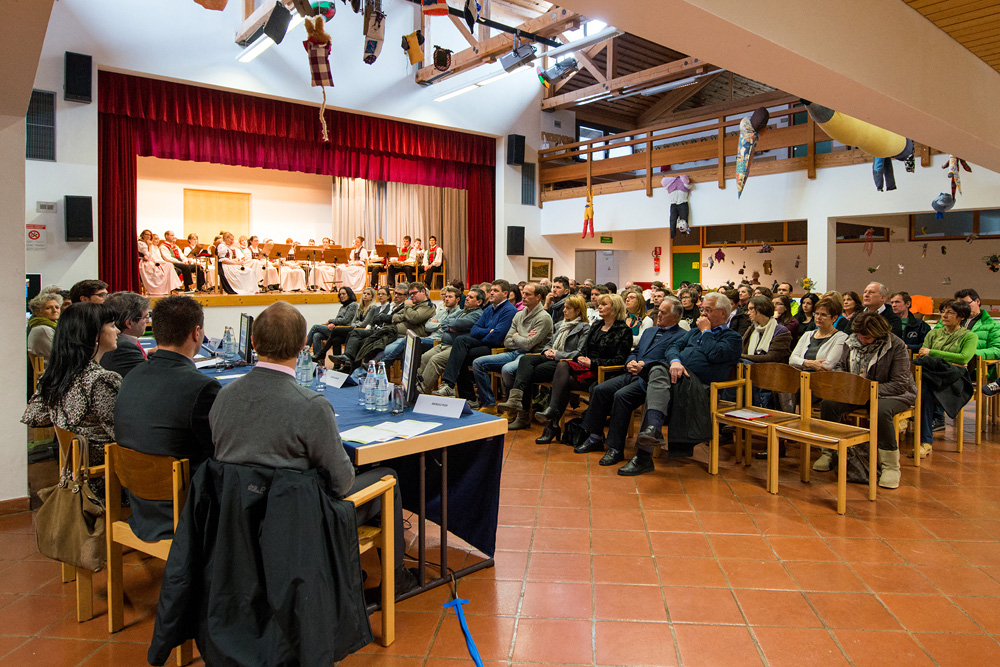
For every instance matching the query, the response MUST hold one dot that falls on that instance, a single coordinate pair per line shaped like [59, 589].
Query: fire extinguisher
[656, 259]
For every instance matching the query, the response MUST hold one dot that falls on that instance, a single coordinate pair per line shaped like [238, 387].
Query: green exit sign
[606, 239]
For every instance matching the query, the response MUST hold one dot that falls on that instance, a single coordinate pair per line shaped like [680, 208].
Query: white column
[821, 252]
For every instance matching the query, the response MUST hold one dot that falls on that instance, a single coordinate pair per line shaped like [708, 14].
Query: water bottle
[370, 387]
[299, 365]
[381, 389]
[361, 386]
[227, 344]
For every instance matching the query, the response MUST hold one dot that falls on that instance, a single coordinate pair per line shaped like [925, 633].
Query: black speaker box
[79, 219]
[515, 240]
[515, 149]
[78, 73]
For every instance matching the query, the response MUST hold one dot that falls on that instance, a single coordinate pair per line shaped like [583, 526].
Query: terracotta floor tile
[119, 653]
[658, 484]
[716, 645]
[414, 634]
[617, 644]
[516, 515]
[927, 552]
[893, 578]
[852, 611]
[629, 603]
[840, 526]
[531, 467]
[514, 538]
[9, 643]
[983, 554]
[680, 545]
[513, 480]
[490, 598]
[777, 608]
[616, 520]
[366, 660]
[506, 565]
[672, 522]
[702, 605]
[690, 572]
[665, 502]
[824, 577]
[534, 641]
[716, 503]
[620, 542]
[727, 522]
[876, 649]
[984, 611]
[17, 545]
[855, 550]
[493, 636]
[930, 613]
[561, 540]
[608, 500]
[961, 650]
[559, 567]
[773, 524]
[18, 522]
[753, 547]
[25, 576]
[576, 466]
[899, 529]
[563, 517]
[579, 499]
[612, 569]
[557, 600]
[802, 548]
[48, 651]
[32, 613]
[961, 580]
[799, 647]
[522, 497]
[956, 529]
[768, 504]
[575, 483]
[756, 574]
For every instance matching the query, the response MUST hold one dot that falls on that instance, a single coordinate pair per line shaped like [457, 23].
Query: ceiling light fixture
[493, 78]
[264, 42]
[608, 33]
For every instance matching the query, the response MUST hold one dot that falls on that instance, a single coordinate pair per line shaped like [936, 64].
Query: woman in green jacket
[954, 344]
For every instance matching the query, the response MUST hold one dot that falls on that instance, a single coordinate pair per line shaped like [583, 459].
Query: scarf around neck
[39, 321]
[760, 337]
[863, 357]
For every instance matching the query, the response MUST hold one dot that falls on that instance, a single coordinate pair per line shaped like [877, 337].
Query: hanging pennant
[923, 253]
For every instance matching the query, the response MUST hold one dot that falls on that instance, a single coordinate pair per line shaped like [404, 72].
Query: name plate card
[439, 406]
[335, 379]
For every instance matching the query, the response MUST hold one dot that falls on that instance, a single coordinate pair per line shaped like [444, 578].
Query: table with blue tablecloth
[449, 475]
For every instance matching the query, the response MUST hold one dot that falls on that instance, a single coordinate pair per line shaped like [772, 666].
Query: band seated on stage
[309, 440]
[157, 275]
[430, 265]
[236, 274]
[187, 268]
[405, 262]
[376, 264]
[354, 272]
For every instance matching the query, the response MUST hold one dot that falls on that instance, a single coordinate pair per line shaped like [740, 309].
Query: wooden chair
[381, 537]
[603, 373]
[766, 376]
[69, 446]
[809, 431]
[149, 477]
[986, 406]
[900, 417]
[37, 368]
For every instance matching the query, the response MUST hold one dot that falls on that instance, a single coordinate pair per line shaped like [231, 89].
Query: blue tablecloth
[473, 467]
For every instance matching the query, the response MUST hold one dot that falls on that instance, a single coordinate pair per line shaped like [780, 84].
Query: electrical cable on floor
[456, 603]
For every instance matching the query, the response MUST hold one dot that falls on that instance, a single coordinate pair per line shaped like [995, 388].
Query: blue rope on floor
[456, 604]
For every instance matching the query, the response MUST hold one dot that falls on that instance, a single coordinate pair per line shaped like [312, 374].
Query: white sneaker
[991, 389]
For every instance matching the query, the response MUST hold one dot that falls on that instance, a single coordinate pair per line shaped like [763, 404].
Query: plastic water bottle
[381, 389]
[361, 386]
[370, 387]
[227, 344]
[299, 368]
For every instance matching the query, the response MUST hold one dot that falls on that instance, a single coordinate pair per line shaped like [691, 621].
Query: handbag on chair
[69, 526]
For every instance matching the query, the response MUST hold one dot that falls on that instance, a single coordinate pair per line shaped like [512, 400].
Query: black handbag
[574, 433]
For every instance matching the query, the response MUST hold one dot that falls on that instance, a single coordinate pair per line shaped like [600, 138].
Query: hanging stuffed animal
[944, 203]
[318, 48]
[869, 238]
[767, 268]
[720, 256]
[374, 31]
[413, 47]
[442, 59]
[954, 167]
[750, 130]
[588, 215]
[471, 12]
[678, 191]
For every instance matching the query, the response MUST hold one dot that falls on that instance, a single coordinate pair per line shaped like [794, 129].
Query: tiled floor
[671, 568]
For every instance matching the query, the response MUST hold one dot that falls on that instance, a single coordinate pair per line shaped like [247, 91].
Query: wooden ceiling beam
[677, 69]
[591, 53]
[673, 99]
[583, 58]
[547, 25]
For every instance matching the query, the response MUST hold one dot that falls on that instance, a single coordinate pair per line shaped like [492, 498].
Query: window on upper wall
[798, 231]
[588, 131]
[787, 233]
[40, 126]
[955, 225]
[848, 232]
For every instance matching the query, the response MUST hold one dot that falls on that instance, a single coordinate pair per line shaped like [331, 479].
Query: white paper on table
[407, 428]
[366, 435]
[335, 379]
[205, 363]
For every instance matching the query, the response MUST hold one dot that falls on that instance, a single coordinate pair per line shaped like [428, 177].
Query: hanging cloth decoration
[471, 12]
[413, 47]
[923, 252]
[873, 269]
[588, 215]
[944, 203]
[442, 59]
[869, 238]
[767, 267]
[435, 8]
[318, 48]
[720, 256]
[798, 260]
[765, 249]
[954, 167]
[993, 262]
[750, 130]
[901, 267]
[711, 262]
[678, 190]
[374, 31]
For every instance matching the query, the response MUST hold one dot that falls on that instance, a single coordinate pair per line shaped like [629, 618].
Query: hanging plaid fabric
[318, 48]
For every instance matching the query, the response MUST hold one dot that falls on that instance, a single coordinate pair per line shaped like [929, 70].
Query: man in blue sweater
[487, 333]
[708, 353]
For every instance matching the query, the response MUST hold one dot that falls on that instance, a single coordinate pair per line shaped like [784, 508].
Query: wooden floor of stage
[209, 300]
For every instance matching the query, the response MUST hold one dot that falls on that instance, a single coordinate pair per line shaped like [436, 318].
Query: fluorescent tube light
[456, 93]
[608, 33]
[265, 42]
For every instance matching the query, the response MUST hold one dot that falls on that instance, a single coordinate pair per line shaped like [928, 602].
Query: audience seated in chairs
[131, 316]
[914, 328]
[607, 344]
[820, 349]
[708, 353]
[805, 315]
[163, 405]
[618, 397]
[345, 319]
[874, 299]
[380, 318]
[875, 353]
[782, 313]
[46, 307]
[443, 317]
[434, 360]
[766, 341]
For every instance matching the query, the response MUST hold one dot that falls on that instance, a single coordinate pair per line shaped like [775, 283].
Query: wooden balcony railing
[567, 170]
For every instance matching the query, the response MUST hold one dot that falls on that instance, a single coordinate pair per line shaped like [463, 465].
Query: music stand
[337, 255]
[310, 253]
[386, 251]
[280, 251]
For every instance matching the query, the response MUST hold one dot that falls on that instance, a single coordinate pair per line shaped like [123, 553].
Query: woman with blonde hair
[607, 344]
[635, 314]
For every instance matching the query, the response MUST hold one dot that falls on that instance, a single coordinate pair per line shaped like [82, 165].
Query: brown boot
[513, 402]
[520, 421]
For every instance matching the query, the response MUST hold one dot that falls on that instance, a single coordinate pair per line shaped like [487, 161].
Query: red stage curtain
[183, 122]
[118, 252]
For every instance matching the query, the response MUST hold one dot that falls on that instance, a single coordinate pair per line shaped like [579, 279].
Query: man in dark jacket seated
[622, 394]
[131, 316]
[874, 299]
[307, 436]
[162, 406]
[914, 328]
[708, 352]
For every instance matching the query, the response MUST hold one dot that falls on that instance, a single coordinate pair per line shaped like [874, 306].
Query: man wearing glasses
[131, 317]
[708, 353]
[89, 291]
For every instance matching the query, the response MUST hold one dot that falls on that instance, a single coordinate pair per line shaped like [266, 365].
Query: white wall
[282, 204]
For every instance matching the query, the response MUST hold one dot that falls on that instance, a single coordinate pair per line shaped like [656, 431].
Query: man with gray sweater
[448, 311]
[433, 361]
[528, 333]
[306, 435]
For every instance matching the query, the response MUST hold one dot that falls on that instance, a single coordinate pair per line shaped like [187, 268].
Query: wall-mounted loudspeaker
[77, 84]
[515, 240]
[515, 149]
[79, 219]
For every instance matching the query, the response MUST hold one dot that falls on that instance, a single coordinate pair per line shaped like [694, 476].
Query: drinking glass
[398, 399]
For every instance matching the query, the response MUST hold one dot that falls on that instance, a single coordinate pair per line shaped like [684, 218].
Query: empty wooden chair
[808, 430]
[381, 537]
[149, 477]
[986, 406]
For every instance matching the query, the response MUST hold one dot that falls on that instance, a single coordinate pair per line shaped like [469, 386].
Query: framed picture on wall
[538, 268]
